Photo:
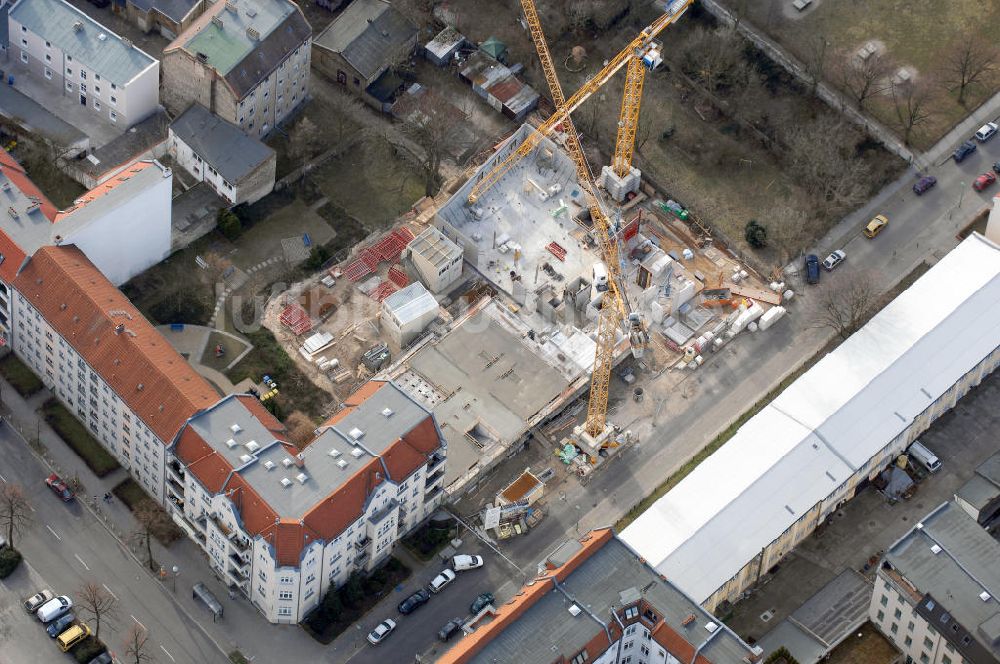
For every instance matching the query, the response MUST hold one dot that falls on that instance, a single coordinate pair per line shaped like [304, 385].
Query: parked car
[60, 625]
[103, 658]
[450, 629]
[922, 455]
[876, 225]
[33, 603]
[59, 488]
[414, 602]
[923, 184]
[463, 562]
[441, 580]
[986, 132]
[963, 151]
[72, 636]
[54, 608]
[996, 167]
[983, 181]
[481, 603]
[812, 269]
[834, 259]
[381, 631]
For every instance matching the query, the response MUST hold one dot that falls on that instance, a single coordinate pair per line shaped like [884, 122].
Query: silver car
[834, 259]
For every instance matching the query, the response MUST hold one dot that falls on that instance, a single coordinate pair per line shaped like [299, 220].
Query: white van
[54, 608]
[924, 457]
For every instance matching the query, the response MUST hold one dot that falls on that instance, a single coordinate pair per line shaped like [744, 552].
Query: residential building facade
[936, 591]
[247, 61]
[238, 167]
[283, 526]
[104, 361]
[596, 601]
[62, 45]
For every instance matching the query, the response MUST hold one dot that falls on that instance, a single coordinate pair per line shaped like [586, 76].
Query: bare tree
[643, 130]
[15, 512]
[432, 125]
[972, 59]
[137, 646]
[789, 231]
[303, 140]
[844, 305]
[864, 78]
[152, 519]
[92, 598]
[347, 116]
[300, 428]
[712, 57]
[913, 105]
[821, 155]
[817, 61]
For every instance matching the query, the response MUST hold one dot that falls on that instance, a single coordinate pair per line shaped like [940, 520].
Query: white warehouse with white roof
[838, 425]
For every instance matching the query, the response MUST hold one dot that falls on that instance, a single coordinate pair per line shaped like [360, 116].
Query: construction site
[500, 307]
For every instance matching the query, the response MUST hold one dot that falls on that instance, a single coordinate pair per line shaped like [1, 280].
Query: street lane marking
[139, 623]
[53, 532]
[168, 654]
[109, 592]
[87, 567]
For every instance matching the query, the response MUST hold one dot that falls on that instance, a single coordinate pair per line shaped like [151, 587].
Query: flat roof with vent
[953, 560]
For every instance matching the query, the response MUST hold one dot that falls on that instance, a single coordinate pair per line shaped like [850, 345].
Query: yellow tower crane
[614, 311]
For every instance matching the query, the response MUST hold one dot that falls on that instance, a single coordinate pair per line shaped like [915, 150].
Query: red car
[983, 181]
[59, 488]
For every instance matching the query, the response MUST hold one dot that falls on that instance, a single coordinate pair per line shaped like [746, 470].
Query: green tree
[353, 590]
[229, 224]
[755, 234]
[332, 605]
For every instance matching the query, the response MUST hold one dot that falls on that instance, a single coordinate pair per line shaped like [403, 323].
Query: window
[883, 600]
[897, 614]
[114, 100]
[83, 88]
[908, 642]
[97, 77]
[945, 659]
[48, 58]
[881, 616]
[928, 643]
[114, 116]
[909, 627]
[97, 105]
[924, 659]
[894, 628]
[48, 73]
[581, 658]
[631, 612]
[24, 42]
[24, 29]
[284, 594]
[283, 610]
[83, 75]
[97, 89]
[114, 87]
[24, 57]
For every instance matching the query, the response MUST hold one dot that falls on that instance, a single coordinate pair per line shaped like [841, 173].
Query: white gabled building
[283, 526]
[843, 421]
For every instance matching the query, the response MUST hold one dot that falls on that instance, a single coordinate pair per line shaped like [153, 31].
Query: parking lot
[416, 634]
[22, 637]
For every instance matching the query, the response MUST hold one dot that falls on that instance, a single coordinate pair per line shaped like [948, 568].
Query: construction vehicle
[614, 311]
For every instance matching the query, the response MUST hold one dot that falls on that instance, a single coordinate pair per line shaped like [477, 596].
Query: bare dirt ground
[916, 34]
[866, 646]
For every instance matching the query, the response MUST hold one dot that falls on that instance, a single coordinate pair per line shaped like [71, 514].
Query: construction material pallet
[556, 250]
[398, 276]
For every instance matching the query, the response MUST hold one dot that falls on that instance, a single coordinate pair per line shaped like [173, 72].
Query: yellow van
[73, 636]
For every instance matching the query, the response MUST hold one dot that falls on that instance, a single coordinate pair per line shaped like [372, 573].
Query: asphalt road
[66, 547]
[417, 633]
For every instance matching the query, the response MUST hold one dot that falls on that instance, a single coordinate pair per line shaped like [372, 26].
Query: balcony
[239, 576]
[434, 478]
[176, 472]
[380, 515]
[363, 543]
[360, 558]
[238, 561]
[436, 461]
[432, 494]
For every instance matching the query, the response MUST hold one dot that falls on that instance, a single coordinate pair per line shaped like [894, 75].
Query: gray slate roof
[269, 53]
[53, 20]
[367, 34]
[222, 145]
[175, 10]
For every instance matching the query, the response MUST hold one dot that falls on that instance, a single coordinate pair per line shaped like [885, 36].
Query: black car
[103, 658]
[58, 626]
[450, 629]
[996, 168]
[964, 150]
[481, 603]
[414, 602]
[812, 269]
[923, 184]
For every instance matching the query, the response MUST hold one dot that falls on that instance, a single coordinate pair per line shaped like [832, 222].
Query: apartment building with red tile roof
[104, 360]
[596, 600]
[266, 511]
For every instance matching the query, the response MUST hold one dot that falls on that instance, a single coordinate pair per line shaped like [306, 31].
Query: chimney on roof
[252, 33]
[216, 21]
[119, 328]
[78, 26]
[139, 387]
[58, 239]
[300, 460]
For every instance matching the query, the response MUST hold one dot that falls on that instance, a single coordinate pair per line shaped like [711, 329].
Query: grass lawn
[916, 33]
[231, 347]
[426, 541]
[342, 607]
[72, 431]
[130, 493]
[20, 376]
